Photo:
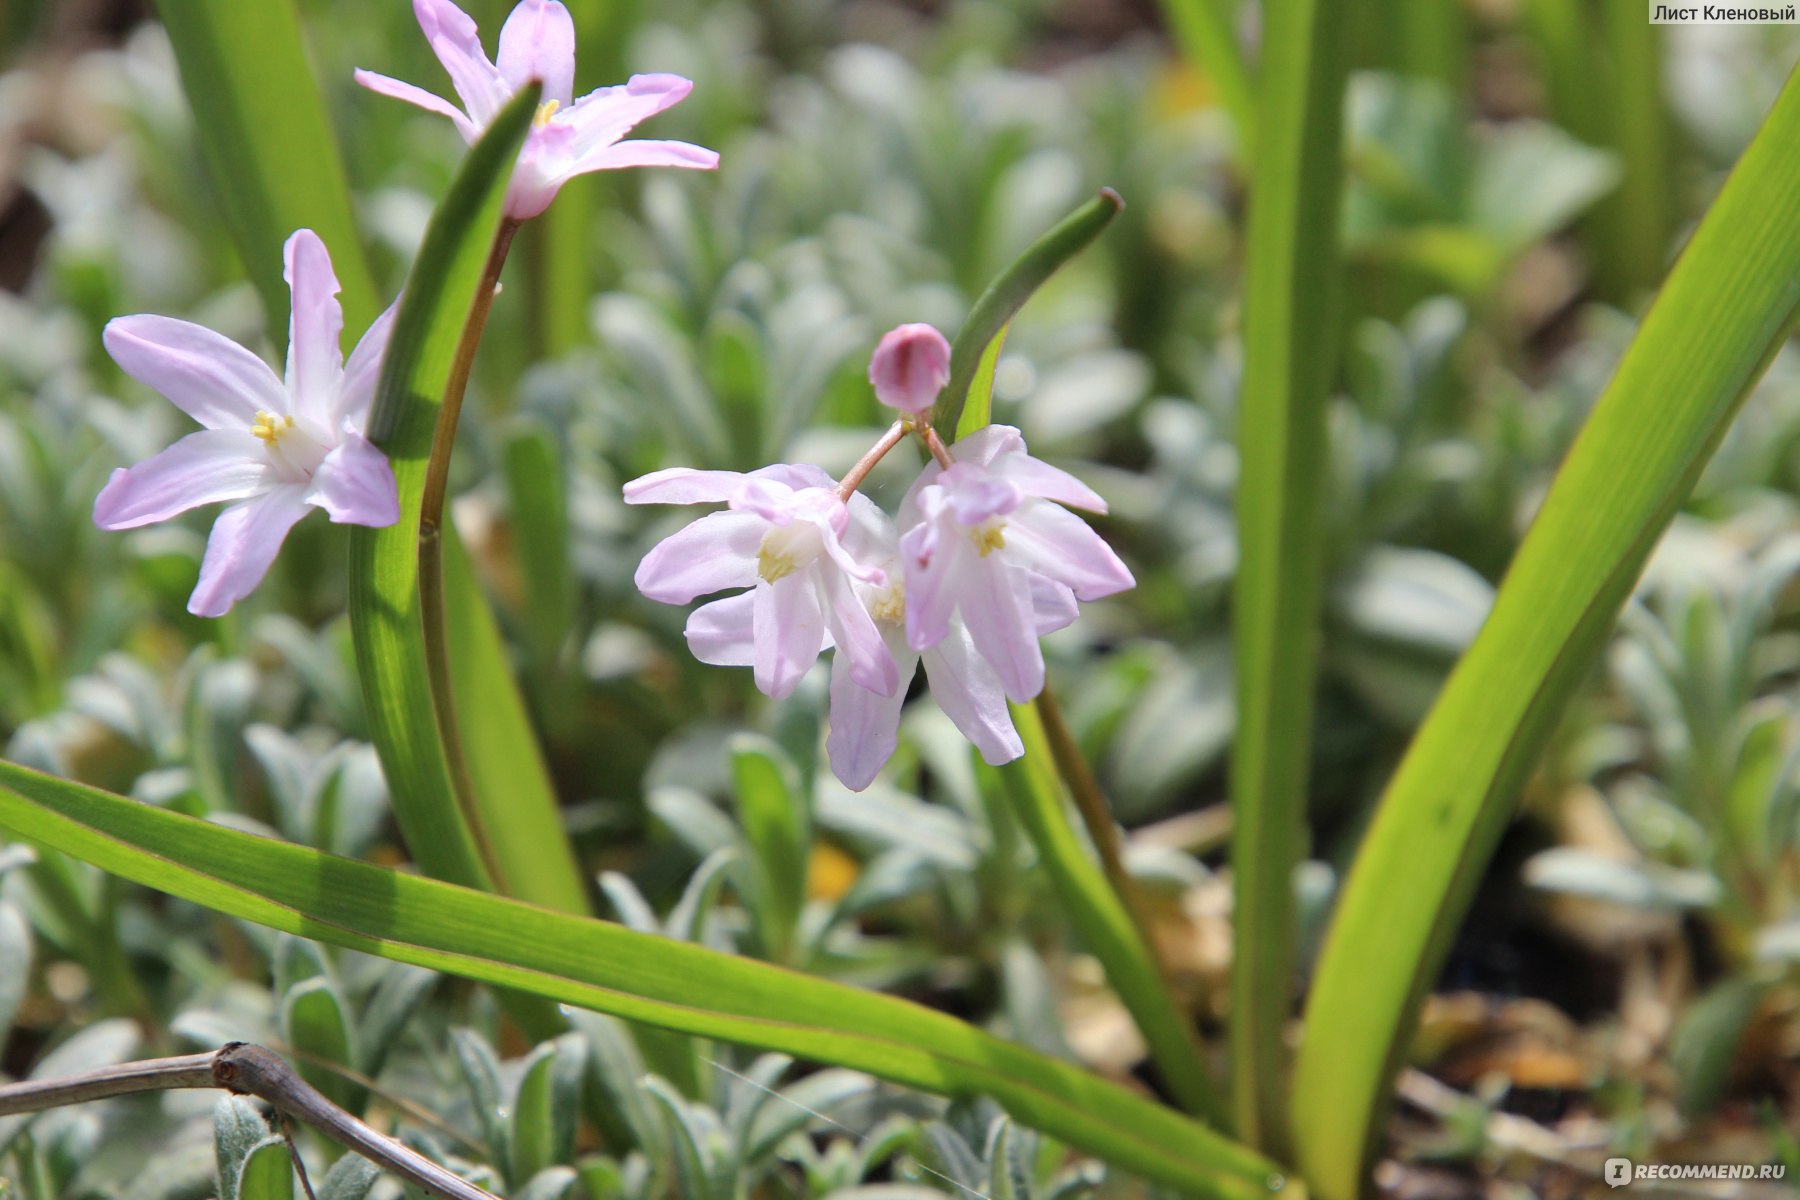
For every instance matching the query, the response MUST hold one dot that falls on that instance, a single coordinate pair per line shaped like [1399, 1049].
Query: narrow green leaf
[540, 531]
[1725, 309]
[268, 144]
[543, 1116]
[267, 1173]
[384, 563]
[597, 965]
[1205, 34]
[1289, 312]
[1005, 296]
[1101, 918]
[776, 824]
[979, 410]
[314, 1021]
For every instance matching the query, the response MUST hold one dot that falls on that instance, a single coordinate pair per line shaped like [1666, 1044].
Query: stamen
[773, 565]
[270, 427]
[545, 111]
[988, 536]
[889, 605]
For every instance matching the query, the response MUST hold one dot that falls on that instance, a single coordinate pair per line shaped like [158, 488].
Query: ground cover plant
[1001, 598]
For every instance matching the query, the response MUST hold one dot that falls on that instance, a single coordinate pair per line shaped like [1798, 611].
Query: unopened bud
[910, 367]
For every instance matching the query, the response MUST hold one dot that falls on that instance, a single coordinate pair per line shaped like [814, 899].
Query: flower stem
[855, 475]
[935, 444]
[431, 550]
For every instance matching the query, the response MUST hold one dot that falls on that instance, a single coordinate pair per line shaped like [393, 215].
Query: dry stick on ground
[247, 1070]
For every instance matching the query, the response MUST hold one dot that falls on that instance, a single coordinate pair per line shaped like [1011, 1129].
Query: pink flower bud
[910, 367]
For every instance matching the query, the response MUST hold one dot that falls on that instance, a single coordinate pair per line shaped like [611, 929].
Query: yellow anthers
[545, 111]
[988, 536]
[773, 564]
[889, 605]
[270, 427]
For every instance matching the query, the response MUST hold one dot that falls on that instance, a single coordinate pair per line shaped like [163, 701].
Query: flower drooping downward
[569, 137]
[277, 447]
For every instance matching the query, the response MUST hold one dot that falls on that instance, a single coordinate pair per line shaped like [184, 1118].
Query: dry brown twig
[246, 1070]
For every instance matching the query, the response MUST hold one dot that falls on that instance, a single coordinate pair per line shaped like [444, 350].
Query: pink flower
[781, 537]
[981, 535]
[276, 447]
[569, 137]
[865, 724]
[910, 367]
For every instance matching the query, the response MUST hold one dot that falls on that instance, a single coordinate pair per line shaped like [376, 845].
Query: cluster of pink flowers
[280, 447]
[981, 563]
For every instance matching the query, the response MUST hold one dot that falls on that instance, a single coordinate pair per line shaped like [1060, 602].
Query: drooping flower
[569, 137]
[910, 366]
[981, 535]
[781, 537]
[865, 725]
[276, 447]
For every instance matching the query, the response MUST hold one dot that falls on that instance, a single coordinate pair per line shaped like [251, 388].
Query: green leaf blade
[1719, 318]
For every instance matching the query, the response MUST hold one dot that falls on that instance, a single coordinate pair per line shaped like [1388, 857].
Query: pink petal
[790, 632]
[969, 692]
[244, 542]
[994, 598]
[850, 564]
[451, 33]
[1035, 477]
[975, 496]
[644, 153]
[362, 373]
[683, 485]
[605, 115]
[1055, 542]
[910, 366]
[429, 101]
[206, 375]
[538, 42]
[859, 641]
[796, 475]
[714, 553]
[930, 562]
[315, 363]
[202, 468]
[355, 484]
[722, 632]
[987, 444]
[1053, 603]
[865, 725]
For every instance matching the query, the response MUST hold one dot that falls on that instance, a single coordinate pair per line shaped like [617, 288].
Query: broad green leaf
[1725, 309]
[1706, 1040]
[314, 1022]
[594, 964]
[1099, 915]
[351, 1177]
[543, 1114]
[1289, 319]
[237, 1129]
[481, 1073]
[268, 144]
[996, 307]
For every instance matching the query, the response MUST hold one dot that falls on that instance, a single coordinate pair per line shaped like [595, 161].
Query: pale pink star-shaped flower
[981, 534]
[569, 137]
[781, 537]
[277, 447]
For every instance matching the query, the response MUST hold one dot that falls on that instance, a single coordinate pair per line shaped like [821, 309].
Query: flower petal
[418, 96]
[714, 553]
[721, 632]
[315, 361]
[1055, 542]
[858, 640]
[1053, 603]
[789, 632]
[931, 563]
[865, 725]
[205, 374]
[244, 541]
[910, 366]
[987, 444]
[605, 115]
[451, 33]
[969, 692]
[356, 394]
[203, 467]
[538, 42]
[995, 601]
[640, 152]
[1035, 477]
[355, 484]
[683, 485]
